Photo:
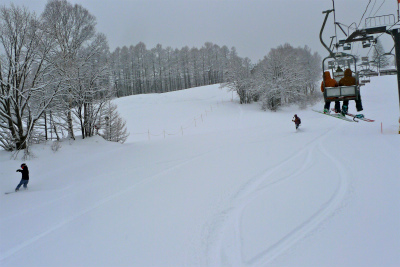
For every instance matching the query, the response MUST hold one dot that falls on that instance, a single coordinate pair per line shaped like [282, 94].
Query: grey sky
[252, 26]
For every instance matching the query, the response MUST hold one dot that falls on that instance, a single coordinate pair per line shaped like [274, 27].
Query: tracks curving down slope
[238, 231]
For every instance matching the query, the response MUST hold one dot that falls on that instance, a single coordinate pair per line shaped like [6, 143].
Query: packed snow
[205, 181]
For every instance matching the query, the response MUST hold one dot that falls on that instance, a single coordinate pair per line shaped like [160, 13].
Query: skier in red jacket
[296, 121]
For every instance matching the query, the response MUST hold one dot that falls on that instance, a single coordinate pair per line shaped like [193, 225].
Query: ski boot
[344, 110]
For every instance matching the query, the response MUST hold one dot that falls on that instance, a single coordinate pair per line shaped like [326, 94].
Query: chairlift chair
[371, 73]
[341, 93]
[366, 44]
[365, 80]
[368, 73]
[388, 72]
[347, 46]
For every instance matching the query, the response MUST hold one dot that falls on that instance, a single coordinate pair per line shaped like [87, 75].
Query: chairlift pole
[398, 14]
[396, 34]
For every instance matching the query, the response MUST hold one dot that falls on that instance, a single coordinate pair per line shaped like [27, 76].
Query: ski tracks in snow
[225, 238]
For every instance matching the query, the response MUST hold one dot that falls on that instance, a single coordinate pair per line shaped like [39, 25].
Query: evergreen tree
[112, 126]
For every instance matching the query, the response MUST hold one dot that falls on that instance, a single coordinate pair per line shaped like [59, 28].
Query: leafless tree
[71, 27]
[28, 85]
[93, 88]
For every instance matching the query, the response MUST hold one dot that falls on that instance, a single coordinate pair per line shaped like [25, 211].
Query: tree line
[138, 70]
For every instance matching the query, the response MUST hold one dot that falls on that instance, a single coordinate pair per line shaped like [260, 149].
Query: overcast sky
[252, 26]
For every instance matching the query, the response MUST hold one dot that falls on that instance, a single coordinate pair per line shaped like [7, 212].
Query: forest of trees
[138, 70]
[58, 75]
[285, 76]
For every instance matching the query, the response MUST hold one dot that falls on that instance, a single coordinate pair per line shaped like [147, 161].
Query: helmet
[23, 165]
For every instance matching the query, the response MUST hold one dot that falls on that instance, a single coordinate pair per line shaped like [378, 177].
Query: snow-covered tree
[111, 126]
[71, 27]
[378, 58]
[93, 88]
[138, 70]
[27, 83]
[286, 75]
[238, 77]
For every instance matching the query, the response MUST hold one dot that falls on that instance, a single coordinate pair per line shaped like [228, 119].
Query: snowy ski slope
[204, 181]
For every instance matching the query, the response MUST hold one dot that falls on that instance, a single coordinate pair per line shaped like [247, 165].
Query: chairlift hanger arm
[327, 12]
[340, 27]
[332, 37]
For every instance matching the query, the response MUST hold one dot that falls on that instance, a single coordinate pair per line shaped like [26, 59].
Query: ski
[15, 191]
[358, 117]
[336, 115]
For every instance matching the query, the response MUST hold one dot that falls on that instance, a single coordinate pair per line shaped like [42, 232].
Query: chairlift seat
[338, 74]
[372, 74]
[341, 93]
[347, 47]
[388, 72]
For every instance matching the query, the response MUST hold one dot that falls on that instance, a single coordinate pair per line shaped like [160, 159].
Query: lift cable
[369, 15]
[364, 13]
[379, 7]
[334, 22]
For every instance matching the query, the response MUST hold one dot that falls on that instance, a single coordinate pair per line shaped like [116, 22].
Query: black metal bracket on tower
[364, 34]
